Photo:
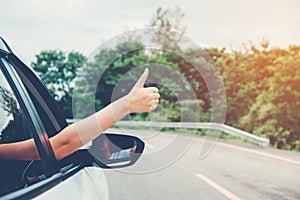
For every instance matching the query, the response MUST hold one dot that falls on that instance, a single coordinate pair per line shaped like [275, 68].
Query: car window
[45, 105]
[51, 116]
[14, 127]
[47, 109]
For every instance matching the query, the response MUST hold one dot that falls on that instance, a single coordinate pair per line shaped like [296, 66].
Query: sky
[30, 26]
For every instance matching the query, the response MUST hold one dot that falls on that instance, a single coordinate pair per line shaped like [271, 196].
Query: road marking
[217, 187]
[261, 153]
[149, 146]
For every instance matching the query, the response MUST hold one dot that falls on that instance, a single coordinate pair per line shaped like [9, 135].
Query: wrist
[123, 105]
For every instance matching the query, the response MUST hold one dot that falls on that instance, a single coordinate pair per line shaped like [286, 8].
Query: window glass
[13, 128]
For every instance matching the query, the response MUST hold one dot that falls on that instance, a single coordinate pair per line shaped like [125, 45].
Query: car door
[28, 111]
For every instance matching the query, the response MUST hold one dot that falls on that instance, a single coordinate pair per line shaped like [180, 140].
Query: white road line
[217, 187]
[149, 146]
[261, 153]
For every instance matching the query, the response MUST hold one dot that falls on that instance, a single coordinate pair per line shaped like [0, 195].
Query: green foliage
[185, 110]
[97, 79]
[263, 90]
[57, 69]
[262, 85]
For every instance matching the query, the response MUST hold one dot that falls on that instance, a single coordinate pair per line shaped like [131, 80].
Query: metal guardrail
[195, 125]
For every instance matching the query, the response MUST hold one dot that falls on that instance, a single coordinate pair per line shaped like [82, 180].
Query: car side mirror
[112, 150]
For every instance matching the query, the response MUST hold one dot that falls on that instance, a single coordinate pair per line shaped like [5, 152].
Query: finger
[155, 101]
[156, 96]
[153, 107]
[154, 89]
[141, 82]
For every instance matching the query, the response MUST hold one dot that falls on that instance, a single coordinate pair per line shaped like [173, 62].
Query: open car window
[28, 111]
[51, 117]
[14, 127]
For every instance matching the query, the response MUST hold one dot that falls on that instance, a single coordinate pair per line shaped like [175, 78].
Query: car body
[27, 110]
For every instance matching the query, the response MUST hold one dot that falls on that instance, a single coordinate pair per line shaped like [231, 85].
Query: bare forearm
[25, 150]
[139, 99]
[85, 130]
[72, 137]
[90, 128]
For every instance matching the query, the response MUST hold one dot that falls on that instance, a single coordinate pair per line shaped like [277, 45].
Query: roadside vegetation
[262, 83]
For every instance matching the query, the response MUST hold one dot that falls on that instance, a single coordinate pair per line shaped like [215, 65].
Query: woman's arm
[25, 150]
[139, 99]
[74, 136]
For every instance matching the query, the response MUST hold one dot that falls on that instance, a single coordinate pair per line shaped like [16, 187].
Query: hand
[143, 99]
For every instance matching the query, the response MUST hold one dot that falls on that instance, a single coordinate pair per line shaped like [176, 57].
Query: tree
[57, 70]
[16, 129]
[94, 92]
[274, 113]
[245, 73]
[166, 22]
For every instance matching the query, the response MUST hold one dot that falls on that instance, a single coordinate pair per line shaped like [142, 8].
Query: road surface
[233, 170]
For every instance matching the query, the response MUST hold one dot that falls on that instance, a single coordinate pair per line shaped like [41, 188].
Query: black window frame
[39, 134]
[41, 97]
[29, 90]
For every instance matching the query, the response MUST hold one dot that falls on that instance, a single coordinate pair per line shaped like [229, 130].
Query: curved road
[233, 170]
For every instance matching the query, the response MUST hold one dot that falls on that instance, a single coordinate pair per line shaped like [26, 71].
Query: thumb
[140, 83]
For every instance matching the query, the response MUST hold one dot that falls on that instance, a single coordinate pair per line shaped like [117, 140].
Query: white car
[27, 110]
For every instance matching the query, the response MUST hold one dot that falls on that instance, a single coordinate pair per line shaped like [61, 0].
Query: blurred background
[255, 46]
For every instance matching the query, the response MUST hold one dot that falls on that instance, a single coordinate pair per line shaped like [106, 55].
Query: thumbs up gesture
[143, 99]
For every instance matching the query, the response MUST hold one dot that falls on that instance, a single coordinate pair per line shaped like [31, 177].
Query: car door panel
[88, 183]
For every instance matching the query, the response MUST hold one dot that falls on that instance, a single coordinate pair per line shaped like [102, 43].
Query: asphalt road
[233, 170]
